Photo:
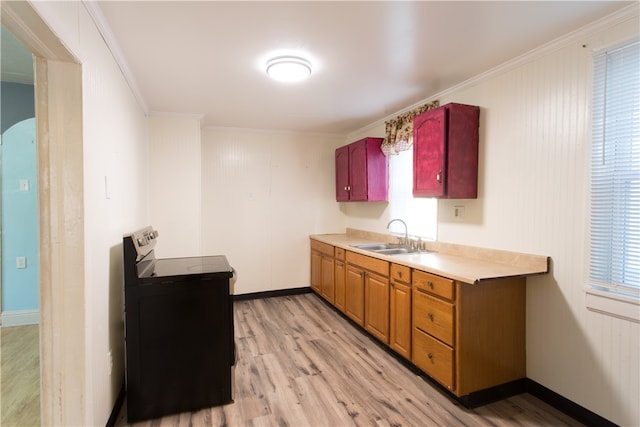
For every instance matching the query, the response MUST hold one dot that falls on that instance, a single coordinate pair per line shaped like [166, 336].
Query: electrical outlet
[458, 212]
[21, 262]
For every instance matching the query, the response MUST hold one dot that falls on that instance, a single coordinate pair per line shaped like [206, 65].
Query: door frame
[58, 107]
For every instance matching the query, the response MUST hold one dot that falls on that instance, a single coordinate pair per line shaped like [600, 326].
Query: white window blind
[615, 172]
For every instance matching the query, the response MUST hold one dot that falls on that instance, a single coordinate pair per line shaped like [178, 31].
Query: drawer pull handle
[430, 283]
[400, 274]
[430, 356]
[430, 316]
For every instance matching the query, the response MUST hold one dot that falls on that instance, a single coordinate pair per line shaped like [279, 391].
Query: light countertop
[463, 263]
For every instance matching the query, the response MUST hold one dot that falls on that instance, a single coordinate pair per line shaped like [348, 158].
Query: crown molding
[105, 31]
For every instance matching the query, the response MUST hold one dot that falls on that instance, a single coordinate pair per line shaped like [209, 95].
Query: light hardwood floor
[302, 364]
[20, 376]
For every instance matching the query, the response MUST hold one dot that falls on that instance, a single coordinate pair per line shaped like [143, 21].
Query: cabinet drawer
[431, 283]
[322, 247]
[340, 253]
[368, 263]
[401, 273]
[433, 315]
[433, 357]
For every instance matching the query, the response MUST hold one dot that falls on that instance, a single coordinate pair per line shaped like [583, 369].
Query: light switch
[21, 262]
[24, 185]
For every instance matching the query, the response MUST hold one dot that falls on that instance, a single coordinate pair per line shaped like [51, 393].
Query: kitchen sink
[388, 248]
[378, 246]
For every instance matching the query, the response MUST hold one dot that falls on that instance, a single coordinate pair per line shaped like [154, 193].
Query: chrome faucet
[406, 233]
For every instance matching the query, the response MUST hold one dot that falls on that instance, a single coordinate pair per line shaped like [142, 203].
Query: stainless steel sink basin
[377, 246]
[387, 248]
[395, 251]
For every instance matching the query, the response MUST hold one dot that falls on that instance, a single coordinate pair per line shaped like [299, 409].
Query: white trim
[20, 318]
[107, 35]
[612, 304]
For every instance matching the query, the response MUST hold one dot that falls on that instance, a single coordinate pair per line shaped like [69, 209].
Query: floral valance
[399, 131]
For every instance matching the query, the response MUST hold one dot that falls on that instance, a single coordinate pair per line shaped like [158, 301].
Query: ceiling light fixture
[288, 68]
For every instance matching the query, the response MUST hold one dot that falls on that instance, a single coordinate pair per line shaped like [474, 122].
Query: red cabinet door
[358, 170]
[342, 174]
[429, 153]
[462, 151]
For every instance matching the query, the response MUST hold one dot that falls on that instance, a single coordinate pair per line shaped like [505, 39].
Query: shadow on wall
[116, 318]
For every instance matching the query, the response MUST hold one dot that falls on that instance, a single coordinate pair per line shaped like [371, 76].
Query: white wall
[114, 133]
[174, 194]
[263, 194]
[533, 197]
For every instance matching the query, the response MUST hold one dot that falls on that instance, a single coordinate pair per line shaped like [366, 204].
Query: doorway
[58, 106]
[19, 301]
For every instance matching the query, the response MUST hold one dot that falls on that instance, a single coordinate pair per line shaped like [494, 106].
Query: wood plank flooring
[20, 376]
[302, 364]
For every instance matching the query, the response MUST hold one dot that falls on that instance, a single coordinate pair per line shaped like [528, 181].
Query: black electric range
[179, 337]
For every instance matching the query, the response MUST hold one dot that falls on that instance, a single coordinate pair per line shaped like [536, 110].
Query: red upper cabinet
[342, 174]
[362, 172]
[445, 152]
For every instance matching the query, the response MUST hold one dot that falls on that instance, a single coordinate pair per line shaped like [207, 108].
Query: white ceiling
[371, 59]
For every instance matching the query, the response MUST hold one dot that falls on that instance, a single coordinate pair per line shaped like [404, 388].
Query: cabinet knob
[430, 283]
[430, 356]
[439, 176]
[430, 316]
[400, 274]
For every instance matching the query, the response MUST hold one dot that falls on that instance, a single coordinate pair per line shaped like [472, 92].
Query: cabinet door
[354, 307]
[316, 271]
[429, 153]
[342, 174]
[462, 151]
[377, 306]
[327, 285]
[358, 171]
[400, 318]
[339, 280]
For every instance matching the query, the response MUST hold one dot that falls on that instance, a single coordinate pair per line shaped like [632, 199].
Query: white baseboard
[20, 318]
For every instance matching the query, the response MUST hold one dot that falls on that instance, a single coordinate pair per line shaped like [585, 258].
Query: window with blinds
[615, 173]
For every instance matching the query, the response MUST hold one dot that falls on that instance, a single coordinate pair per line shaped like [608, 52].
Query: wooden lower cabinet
[322, 273]
[469, 337]
[354, 300]
[434, 357]
[327, 283]
[339, 279]
[400, 310]
[376, 303]
[316, 271]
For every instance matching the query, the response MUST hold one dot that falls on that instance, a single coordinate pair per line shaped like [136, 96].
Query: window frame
[599, 297]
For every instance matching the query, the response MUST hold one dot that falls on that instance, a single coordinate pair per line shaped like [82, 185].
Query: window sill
[611, 304]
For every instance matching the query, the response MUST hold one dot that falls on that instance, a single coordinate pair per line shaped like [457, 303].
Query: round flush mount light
[288, 68]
